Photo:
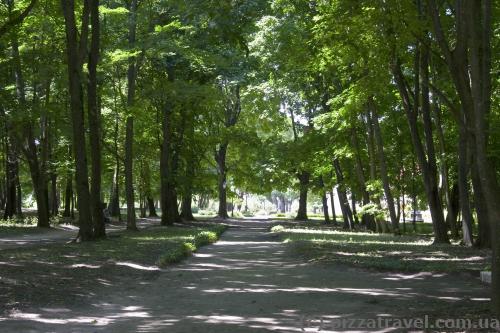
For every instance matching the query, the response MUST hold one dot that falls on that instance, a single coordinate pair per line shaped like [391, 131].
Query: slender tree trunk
[367, 219]
[332, 203]
[129, 135]
[341, 191]
[426, 163]
[463, 186]
[68, 195]
[383, 168]
[324, 200]
[446, 190]
[220, 159]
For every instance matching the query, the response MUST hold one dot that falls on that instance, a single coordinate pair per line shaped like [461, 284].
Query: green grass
[386, 252]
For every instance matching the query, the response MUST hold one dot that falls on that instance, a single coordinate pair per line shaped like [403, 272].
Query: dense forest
[162, 106]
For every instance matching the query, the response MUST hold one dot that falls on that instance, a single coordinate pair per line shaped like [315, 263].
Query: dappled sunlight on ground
[249, 282]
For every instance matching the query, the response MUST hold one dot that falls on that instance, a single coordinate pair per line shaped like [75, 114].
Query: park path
[248, 282]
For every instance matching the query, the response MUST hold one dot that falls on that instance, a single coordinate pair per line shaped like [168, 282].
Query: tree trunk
[303, 177]
[463, 186]
[129, 134]
[220, 159]
[367, 219]
[446, 190]
[168, 206]
[68, 195]
[473, 84]
[332, 203]
[11, 173]
[426, 163]
[94, 122]
[77, 115]
[383, 168]
[324, 200]
[29, 148]
[341, 191]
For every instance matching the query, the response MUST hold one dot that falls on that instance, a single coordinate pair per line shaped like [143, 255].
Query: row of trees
[390, 103]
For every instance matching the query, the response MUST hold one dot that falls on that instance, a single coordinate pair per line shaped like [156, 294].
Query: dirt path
[247, 282]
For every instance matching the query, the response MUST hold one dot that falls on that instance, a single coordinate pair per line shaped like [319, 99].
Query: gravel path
[247, 282]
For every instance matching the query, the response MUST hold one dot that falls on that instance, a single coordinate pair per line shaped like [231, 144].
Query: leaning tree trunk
[341, 191]
[426, 163]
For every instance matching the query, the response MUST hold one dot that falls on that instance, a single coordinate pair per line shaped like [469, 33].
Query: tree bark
[77, 114]
[463, 186]
[129, 132]
[220, 158]
[94, 122]
[303, 177]
[367, 219]
[383, 168]
[341, 191]
[324, 200]
[332, 203]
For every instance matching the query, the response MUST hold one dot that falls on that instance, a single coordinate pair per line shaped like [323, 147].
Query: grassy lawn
[381, 251]
[58, 274]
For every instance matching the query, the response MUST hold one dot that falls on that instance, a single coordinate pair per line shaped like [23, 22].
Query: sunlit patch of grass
[381, 251]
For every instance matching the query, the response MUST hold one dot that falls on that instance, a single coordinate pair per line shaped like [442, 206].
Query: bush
[182, 251]
[205, 238]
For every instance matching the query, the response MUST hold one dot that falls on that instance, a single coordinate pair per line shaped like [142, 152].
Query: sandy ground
[248, 282]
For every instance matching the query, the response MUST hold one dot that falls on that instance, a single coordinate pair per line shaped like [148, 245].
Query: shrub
[205, 238]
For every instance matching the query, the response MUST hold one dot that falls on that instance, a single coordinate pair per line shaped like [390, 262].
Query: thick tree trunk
[94, 122]
[77, 116]
[303, 177]
[168, 204]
